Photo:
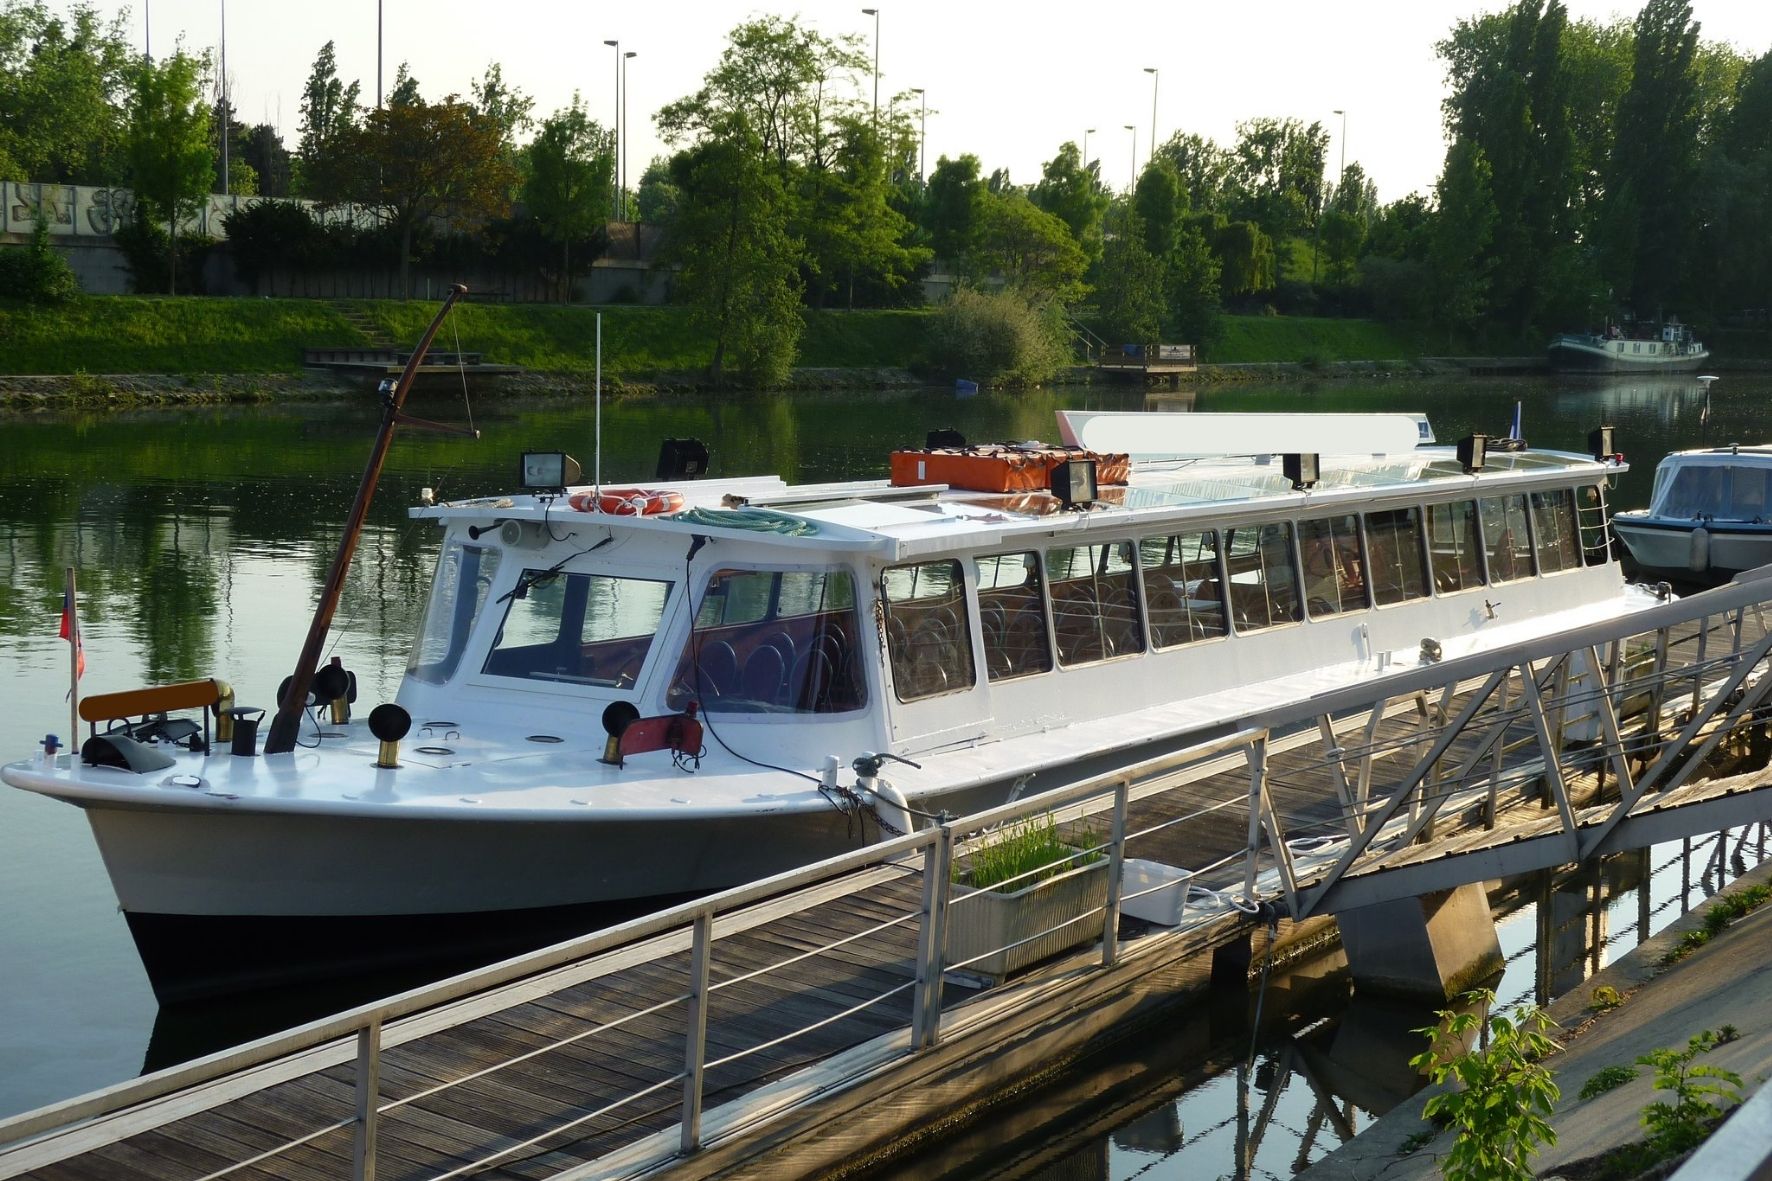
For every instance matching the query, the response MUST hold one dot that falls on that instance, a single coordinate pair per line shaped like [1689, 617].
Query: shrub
[147, 248]
[1604, 997]
[1683, 1124]
[35, 271]
[1504, 1094]
[1023, 847]
[998, 338]
[1607, 1078]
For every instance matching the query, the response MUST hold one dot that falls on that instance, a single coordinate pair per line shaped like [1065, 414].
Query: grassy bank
[129, 334]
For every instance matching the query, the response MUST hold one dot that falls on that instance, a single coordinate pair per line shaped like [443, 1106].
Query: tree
[1194, 308]
[845, 217]
[1276, 175]
[420, 159]
[1459, 243]
[1129, 296]
[1030, 248]
[1203, 166]
[263, 149]
[571, 164]
[170, 160]
[1343, 235]
[329, 122]
[737, 263]
[1500, 1097]
[64, 83]
[1071, 191]
[1245, 254]
[1510, 99]
[508, 109]
[405, 90]
[953, 209]
[658, 196]
[1161, 205]
[1653, 172]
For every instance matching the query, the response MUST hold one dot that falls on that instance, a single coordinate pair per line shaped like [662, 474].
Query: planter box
[984, 921]
[1164, 905]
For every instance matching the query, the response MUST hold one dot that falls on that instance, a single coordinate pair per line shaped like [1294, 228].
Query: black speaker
[1300, 468]
[682, 459]
[1599, 443]
[1472, 451]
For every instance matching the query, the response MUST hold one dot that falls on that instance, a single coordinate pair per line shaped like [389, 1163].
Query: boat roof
[1758, 453]
[873, 516]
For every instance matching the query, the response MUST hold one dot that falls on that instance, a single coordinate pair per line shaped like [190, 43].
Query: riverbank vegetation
[1595, 172]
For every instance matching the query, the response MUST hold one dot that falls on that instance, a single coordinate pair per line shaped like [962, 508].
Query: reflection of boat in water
[1710, 513]
[1645, 348]
[1645, 397]
[747, 644]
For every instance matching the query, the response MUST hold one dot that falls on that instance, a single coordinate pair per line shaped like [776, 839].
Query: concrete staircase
[363, 322]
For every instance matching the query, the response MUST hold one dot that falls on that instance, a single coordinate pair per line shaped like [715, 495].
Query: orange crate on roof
[1000, 467]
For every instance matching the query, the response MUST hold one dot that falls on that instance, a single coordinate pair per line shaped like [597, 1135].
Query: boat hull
[227, 901]
[1728, 548]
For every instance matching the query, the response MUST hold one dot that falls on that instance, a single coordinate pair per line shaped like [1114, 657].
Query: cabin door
[935, 693]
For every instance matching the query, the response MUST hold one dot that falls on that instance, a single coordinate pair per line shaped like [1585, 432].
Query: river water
[201, 537]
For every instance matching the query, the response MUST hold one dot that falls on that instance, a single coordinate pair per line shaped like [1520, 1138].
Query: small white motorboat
[1709, 515]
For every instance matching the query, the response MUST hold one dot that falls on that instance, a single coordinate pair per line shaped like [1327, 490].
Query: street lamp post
[621, 137]
[1133, 128]
[378, 55]
[922, 131]
[875, 13]
[1087, 132]
[615, 197]
[226, 113]
[1152, 71]
[1342, 175]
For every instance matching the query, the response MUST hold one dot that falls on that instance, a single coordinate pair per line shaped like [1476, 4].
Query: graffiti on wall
[88, 211]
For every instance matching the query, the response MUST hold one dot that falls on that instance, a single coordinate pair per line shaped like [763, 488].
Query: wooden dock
[798, 1023]
[1159, 362]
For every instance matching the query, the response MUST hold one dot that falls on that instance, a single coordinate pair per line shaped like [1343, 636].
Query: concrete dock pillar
[1435, 947]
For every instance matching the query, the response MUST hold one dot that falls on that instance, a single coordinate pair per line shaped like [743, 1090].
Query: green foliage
[1071, 191]
[1192, 291]
[417, 159]
[1031, 249]
[35, 271]
[264, 235]
[571, 170]
[1607, 1078]
[1204, 169]
[1129, 295]
[1160, 204]
[1459, 247]
[1503, 1095]
[999, 338]
[1276, 175]
[954, 208]
[170, 160]
[1701, 1093]
[329, 118]
[1343, 235]
[1717, 917]
[1604, 997]
[63, 80]
[1022, 854]
[658, 196]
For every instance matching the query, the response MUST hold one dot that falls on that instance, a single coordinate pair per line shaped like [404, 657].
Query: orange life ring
[628, 502]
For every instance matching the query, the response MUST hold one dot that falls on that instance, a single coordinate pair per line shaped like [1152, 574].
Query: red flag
[70, 631]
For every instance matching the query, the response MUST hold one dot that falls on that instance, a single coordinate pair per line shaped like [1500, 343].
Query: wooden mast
[287, 723]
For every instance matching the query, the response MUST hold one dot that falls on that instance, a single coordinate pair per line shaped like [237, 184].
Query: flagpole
[73, 665]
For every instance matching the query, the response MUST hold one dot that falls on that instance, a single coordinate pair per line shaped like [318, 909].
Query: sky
[1007, 83]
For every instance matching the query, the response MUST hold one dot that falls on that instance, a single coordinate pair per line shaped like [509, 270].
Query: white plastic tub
[1168, 886]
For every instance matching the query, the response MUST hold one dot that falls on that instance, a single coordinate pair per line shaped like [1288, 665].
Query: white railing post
[695, 1033]
[368, 1100]
[1110, 921]
[938, 870]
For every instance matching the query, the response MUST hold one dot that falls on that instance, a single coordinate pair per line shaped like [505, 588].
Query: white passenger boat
[771, 638]
[1709, 516]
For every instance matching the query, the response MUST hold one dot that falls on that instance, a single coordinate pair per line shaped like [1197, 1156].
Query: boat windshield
[458, 593]
[1694, 491]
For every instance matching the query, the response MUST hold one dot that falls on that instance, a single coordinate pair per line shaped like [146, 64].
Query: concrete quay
[1728, 981]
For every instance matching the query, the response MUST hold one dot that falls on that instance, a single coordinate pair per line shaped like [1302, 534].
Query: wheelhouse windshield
[458, 595]
[587, 629]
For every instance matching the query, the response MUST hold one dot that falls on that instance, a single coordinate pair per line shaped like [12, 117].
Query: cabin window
[1507, 538]
[1334, 573]
[1263, 576]
[1590, 517]
[1747, 493]
[458, 594]
[1455, 546]
[1698, 492]
[586, 629]
[1094, 602]
[1393, 556]
[927, 632]
[1012, 616]
[1553, 521]
[772, 641]
[1182, 591]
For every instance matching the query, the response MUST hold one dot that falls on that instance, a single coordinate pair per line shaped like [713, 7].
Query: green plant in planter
[1022, 848]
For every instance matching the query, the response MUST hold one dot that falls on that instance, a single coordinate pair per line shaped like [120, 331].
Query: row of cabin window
[1190, 585]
